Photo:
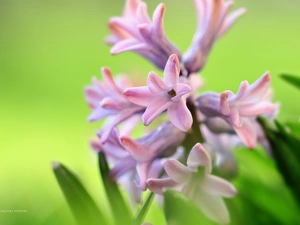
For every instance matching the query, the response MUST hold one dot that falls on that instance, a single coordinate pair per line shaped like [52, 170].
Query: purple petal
[100, 113]
[180, 116]
[199, 157]
[235, 118]
[158, 19]
[155, 84]
[177, 171]
[142, 170]
[109, 81]
[172, 70]
[110, 104]
[122, 167]
[156, 107]
[218, 186]
[230, 20]
[142, 13]
[158, 185]
[139, 95]
[128, 45]
[137, 151]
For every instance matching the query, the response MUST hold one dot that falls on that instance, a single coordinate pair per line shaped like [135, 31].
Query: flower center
[172, 93]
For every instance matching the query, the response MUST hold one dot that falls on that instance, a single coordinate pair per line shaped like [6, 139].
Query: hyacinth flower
[146, 151]
[106, 100]
[135, 31]
[123, 164]
[213, 22]
[196, 182]
[163, 94]
[241, 110]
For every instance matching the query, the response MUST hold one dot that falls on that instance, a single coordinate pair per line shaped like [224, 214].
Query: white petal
[177, 171]
[218, 186]
[199, 157]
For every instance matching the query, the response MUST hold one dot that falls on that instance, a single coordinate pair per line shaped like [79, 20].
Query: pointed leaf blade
[293, 80]
[120, 210]
[84, 209]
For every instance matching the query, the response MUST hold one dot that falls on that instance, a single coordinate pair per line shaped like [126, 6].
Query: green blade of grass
[295, 81]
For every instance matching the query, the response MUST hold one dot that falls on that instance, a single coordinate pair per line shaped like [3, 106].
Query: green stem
[194, 135]
[142, 213]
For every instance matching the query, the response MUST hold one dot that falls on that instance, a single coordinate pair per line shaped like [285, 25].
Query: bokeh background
[49, 50]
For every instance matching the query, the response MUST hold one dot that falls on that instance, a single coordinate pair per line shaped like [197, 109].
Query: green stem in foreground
[142, 213]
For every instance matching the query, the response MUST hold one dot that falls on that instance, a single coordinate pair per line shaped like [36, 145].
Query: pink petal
[126, 25]
[177, 171]
[156, 107]
[139, 95]
[156, 85]
[92, 96]
[258, 109]
[235, 118]
[258, 89]
[172, 70]
[218, 186]
[130, 8]
[128, 45]
[137, 151]
[158, 19]
[199, 157]
[224, 105]
[180, 89]
[242, 90]
[117, 34]
[180, 116]
[247, 133]
[109, 81]
[230, 20]
[110, 104]
[158, 185]
[142, 13]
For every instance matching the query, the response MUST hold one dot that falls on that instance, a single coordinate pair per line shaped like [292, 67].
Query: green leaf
[291, 79]
[121, 212]
[294, 128]
[180, 210]
[142, 213]
[84, 209]
[286, 152]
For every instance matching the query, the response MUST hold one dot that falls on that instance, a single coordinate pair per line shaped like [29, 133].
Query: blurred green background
[49, 50]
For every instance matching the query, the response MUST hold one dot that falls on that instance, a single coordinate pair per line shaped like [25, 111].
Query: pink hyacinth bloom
[240, 110]
[213, 22]
[135, 31]
[124, 166]
[106, 100]
[151, 149]
[196, 182]
[164, 94]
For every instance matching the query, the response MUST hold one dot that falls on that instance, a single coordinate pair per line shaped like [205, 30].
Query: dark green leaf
[286, 152]
[121, 212]
[84, 209]
[295, 128]
[180, 210]
[292, 80]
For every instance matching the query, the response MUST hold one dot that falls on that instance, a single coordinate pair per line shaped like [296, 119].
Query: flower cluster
[155, 160]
